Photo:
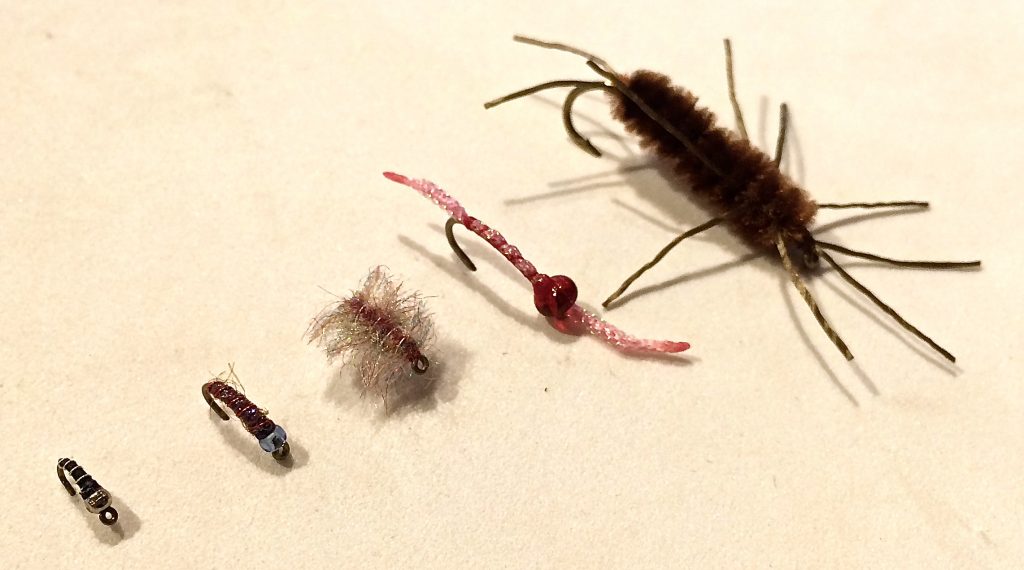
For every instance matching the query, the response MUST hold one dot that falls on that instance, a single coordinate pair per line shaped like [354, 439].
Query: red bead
[553, 296]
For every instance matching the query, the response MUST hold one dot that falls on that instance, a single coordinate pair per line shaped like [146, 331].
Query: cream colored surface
[180, 179]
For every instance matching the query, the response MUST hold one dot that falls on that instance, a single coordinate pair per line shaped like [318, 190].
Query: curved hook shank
[574, 135]
[63, 477]
[449, 232]
[579, 88]
[213, 404]
[538, 88]
[602, 68]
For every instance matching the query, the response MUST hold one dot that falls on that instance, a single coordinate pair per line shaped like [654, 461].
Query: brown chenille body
[757, 201]
[741, 185]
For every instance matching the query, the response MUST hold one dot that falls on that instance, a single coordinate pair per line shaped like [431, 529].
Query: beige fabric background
[180, 180]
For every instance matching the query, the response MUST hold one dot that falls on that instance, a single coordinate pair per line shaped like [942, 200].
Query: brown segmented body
[759, 200]
[740, 184]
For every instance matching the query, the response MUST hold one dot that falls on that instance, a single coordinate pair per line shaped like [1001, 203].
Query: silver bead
[99, 500]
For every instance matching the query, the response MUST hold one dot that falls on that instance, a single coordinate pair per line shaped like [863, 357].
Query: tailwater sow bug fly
[384, 328]
[742, 186]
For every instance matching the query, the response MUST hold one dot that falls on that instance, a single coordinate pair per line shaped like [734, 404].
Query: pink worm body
[575, 315]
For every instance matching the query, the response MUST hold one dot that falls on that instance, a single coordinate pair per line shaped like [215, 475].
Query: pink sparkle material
[576, 317]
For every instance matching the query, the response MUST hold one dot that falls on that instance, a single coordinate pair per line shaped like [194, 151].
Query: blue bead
[275, 440]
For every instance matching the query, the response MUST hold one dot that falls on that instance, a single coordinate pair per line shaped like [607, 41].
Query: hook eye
[108, 516]
[420, 365]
